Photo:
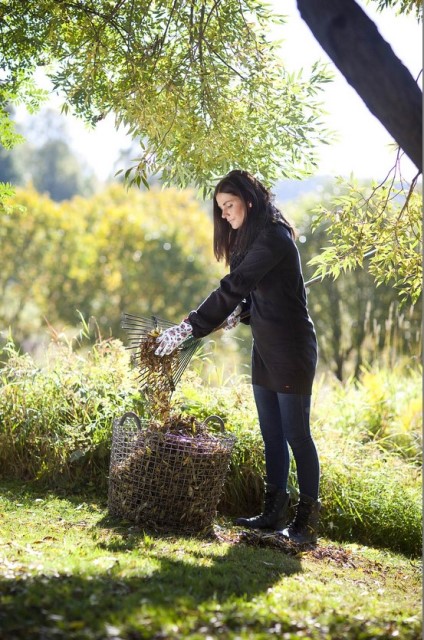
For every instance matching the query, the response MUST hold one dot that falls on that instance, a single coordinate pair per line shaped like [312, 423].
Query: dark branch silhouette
[369, 64]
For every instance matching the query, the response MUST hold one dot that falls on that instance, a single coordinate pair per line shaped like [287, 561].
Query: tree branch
[369, 64]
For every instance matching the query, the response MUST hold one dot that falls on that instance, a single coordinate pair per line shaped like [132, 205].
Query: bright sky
[363, 143]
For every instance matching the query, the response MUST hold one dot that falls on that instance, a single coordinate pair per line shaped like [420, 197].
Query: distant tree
[26, 241]
[143, 260]
[19, 88]
[46, 159]
[9, 138]
[117, 251]
[8, 170]
[56, 171]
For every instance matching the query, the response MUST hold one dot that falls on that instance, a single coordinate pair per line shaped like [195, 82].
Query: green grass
[68, 570]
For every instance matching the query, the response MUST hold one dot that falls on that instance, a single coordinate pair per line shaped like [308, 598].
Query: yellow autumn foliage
[120, 250]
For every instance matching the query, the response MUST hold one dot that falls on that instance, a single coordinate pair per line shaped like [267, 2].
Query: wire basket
[164, 479]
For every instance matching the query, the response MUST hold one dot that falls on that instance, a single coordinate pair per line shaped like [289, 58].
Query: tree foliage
[117, 251]
[151, 252]
[359, 220]
[357, 322]
[16, 87]
[385, 221]
[402, 6]
[198, 82]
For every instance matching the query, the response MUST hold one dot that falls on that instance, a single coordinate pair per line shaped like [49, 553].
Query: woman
[266, 284]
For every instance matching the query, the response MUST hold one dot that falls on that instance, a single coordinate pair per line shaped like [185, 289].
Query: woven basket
[167, 480]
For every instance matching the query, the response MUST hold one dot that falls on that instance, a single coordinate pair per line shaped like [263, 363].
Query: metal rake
[169, 369]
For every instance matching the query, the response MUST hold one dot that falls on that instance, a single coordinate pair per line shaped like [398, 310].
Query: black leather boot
[274, 515]
[304, 527]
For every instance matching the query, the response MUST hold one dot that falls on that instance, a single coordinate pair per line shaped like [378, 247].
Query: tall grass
[56, 423]
[383, 406]
[55, 420]
[387, 341]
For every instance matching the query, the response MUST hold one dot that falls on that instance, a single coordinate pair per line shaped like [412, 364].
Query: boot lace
[301, 519]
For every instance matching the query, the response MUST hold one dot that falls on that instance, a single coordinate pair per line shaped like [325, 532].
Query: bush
[232, 401]
[371, 500]
[56, 423]
[383, 407]
[369, 438]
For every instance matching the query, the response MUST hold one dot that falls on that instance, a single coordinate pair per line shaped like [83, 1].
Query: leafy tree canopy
[201, 85]
[383, 221]
[198, 82]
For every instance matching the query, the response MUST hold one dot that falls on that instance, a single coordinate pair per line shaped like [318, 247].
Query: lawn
[69, 570]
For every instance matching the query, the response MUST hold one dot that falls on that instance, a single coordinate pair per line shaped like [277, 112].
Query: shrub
[55, 420]
[383, 407]
[373, 500]
[56, 423]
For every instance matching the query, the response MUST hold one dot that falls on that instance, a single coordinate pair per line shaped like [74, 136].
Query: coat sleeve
[263, 255]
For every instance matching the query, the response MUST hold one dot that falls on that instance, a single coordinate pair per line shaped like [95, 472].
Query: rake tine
[152, 322]
[137, 328]
[136, 325]
[132, 316]
[130, 320]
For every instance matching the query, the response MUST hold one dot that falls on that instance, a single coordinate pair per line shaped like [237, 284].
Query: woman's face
[233, 209]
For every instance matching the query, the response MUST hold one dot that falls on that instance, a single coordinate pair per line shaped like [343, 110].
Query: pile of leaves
[156, 375]
[276, 540]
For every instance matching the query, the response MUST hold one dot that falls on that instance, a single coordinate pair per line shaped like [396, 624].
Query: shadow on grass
[165, 591]
[163, 588]
[186, 590]
[25, 492]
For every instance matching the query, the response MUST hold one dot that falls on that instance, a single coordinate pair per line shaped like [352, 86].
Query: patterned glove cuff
[186, 328]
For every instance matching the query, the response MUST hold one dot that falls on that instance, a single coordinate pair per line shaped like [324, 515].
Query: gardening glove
[170, 339]
[233, 319]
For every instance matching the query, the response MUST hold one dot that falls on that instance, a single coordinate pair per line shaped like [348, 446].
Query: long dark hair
[258, 201]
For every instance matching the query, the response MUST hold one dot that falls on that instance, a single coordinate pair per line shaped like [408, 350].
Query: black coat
[269, 279]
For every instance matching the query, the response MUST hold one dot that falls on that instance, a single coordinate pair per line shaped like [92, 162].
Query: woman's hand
[170, 339]
[233, 319]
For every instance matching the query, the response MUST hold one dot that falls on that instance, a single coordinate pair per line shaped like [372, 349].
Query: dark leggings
[284, 422]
